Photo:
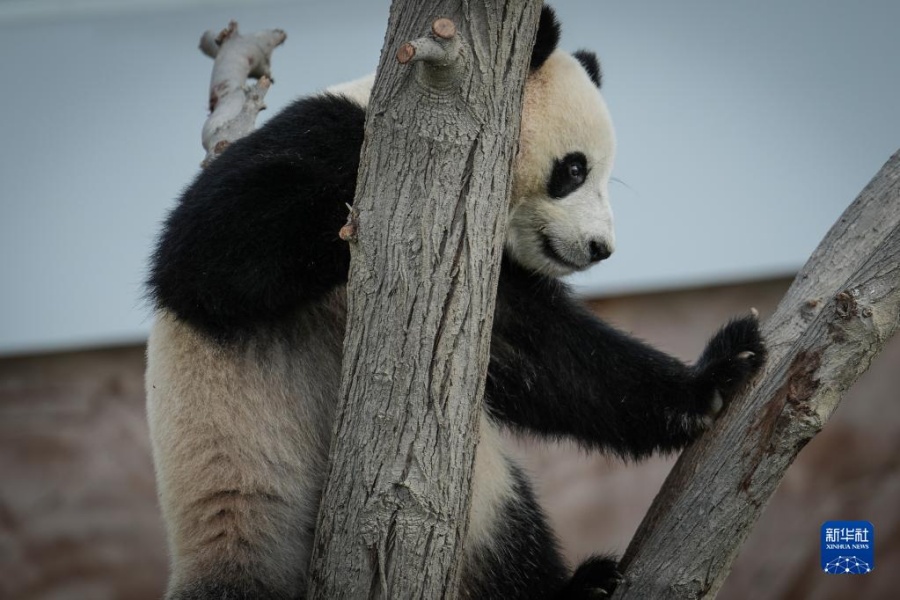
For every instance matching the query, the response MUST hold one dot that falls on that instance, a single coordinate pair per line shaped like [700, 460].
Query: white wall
[744, 130]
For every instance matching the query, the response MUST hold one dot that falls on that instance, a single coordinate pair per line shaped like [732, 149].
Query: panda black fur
[244, 357]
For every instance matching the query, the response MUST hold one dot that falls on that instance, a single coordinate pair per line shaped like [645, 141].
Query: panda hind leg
[596, 577]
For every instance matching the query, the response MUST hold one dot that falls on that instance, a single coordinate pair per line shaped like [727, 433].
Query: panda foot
[731, 358]
[595, 578]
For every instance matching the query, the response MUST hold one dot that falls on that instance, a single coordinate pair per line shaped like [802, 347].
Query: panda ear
[591, 64]
[547, 38]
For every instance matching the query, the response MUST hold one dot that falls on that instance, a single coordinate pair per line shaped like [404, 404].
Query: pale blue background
[744, 130]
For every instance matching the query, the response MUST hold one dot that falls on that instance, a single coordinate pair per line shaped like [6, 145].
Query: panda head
[560, 220]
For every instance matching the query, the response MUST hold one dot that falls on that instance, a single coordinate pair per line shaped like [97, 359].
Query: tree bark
[426, 240]
[840, 311]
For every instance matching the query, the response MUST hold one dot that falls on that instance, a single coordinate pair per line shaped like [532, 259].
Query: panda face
[560, 219]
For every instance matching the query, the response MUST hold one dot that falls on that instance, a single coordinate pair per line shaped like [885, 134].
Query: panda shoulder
[357, 91]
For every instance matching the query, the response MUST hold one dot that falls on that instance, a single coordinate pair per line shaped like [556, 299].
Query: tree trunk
[840, 311]
[426, 235]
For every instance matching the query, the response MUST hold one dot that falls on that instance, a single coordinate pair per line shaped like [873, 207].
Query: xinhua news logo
[848, 547]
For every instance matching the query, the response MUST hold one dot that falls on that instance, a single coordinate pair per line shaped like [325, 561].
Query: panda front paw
[595, 578]
[730, 361]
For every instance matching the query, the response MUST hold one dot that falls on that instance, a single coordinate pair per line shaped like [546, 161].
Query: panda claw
[596, 577]
[754, 312]
[745, 355]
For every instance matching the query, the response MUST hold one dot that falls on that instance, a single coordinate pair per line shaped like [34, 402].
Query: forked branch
[234, 105]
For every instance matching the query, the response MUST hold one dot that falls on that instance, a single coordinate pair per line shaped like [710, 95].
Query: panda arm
[559, 371]
[256, 234]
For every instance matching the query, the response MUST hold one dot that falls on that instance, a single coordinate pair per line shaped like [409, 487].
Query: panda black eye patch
[568, 175]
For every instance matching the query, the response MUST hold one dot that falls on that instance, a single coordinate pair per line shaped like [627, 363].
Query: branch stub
[406, 53]
[444, 28]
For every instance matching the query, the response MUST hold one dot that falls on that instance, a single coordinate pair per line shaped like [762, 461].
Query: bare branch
[234, 105]
[840, 311]
[442, 48]
[440, 56]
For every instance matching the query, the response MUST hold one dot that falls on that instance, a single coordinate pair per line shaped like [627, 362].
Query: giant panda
[243, 361]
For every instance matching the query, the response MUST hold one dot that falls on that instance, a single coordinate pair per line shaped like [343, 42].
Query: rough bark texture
[434, 181]
[233, 105]
[839, 312]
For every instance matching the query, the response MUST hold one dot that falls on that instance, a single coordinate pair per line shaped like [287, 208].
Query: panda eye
[576, 171]
[568, 175]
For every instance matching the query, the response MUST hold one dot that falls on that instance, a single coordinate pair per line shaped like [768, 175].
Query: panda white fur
[244, 357]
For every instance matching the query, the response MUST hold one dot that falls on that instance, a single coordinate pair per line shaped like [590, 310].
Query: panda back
[255, 236]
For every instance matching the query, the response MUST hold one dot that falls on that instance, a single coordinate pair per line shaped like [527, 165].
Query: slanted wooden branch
[840, 311]
[426, 245]
[234, 105]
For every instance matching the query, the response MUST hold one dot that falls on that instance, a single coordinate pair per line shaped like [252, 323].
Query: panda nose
[599, 250]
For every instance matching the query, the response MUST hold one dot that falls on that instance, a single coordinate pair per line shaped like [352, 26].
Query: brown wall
[78, 515]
